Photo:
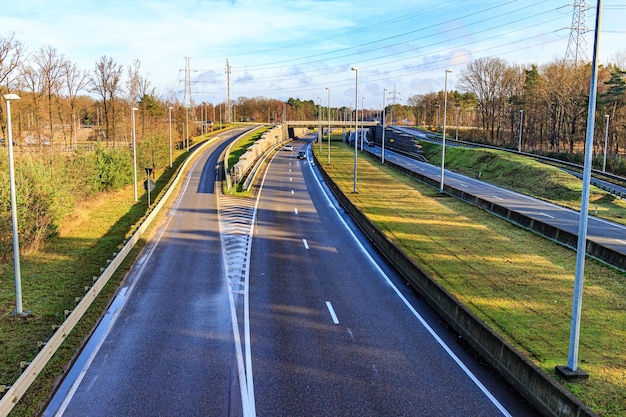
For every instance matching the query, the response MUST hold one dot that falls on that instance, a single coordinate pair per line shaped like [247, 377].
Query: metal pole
[170, 117]
[319, 119]
[382, 154]
[132, 119]
[148, 187]
[328, 89]
[456, 137]
[362, 120]
[356, 120]
[606, 140]
[572, 362]
[16, 244]
[74, 125]
[443, 143]
[521, 119]
[187, 128]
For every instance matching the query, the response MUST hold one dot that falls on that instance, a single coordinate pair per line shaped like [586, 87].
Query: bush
[47, 186]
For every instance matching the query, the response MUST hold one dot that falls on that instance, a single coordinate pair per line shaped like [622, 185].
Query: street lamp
[187, 129]
[443, 143]
[362, 120]
[606, 139]
[16, 244]
[74, 128]
[456, 137]
[521, 119]
[328, 89]
[572, 370]
[356, 121]
[170, 118]
[382, 154]
[132, 121]
[319, 119]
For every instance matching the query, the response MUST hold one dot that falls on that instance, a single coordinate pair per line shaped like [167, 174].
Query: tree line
[542, 107]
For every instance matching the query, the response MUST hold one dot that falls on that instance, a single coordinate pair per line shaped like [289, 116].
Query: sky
[304, 48]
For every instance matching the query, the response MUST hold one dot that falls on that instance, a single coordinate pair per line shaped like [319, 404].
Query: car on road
[288, 148]
[301, 155]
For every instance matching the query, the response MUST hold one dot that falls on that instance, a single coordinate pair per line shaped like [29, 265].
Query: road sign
[149, 185]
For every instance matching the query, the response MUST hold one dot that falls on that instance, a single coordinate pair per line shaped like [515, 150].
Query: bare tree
[486, 78]
[106, 81]
[11, 57]
[30, 80]
[75, 81]
[50, 65]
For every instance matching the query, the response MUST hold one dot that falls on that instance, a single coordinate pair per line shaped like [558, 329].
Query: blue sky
[297, 49]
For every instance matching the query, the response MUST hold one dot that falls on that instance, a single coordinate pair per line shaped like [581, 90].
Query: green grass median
[520, 284]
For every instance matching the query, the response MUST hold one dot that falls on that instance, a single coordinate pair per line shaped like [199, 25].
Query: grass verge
[519, 283]
[527, 176]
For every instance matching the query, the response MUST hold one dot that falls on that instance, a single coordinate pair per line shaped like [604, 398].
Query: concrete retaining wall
[595, 250]
[545, 394]
[270, 138]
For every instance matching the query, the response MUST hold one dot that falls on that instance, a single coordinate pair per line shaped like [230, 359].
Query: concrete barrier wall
[595, 250]
[274, 136]
[545, 394]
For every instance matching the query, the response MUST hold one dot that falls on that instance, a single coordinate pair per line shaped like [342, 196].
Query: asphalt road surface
[608, 234]
[275, 307]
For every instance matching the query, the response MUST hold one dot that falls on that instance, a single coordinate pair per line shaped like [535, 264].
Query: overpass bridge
[324, 123]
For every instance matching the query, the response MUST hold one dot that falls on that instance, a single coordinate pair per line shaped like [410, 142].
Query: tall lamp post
[456, 137]
[443, 143]
[521, 119]
[356, 120]
[170, 119]
[606, 140]
[74, 128]
[187, 129]
[328, 89]
[362, 120]
[319, 119]
[132, 121]
[16, 245]
[571, 370]
[382, 154]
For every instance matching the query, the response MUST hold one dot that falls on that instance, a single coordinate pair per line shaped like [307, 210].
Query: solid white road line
[331, 310]
[430, 330]
[547, 215]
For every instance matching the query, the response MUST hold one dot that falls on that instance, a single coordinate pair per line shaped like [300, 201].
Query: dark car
[301, 155]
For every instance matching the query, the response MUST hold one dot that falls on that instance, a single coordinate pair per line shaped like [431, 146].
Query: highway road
[334, 331]
[272, 307]
[605, 233]
[165, 345]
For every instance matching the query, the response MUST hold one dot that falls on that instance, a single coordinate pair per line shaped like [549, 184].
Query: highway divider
[542, 391]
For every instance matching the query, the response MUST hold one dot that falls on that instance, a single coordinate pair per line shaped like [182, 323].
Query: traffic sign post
[148, 184]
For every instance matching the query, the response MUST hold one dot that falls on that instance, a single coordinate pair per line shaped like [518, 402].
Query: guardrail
[438, 138]
[545, 394]
[596, 250]
[25, 380]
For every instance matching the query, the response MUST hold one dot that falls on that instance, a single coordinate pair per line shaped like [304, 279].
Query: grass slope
[520, 284]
